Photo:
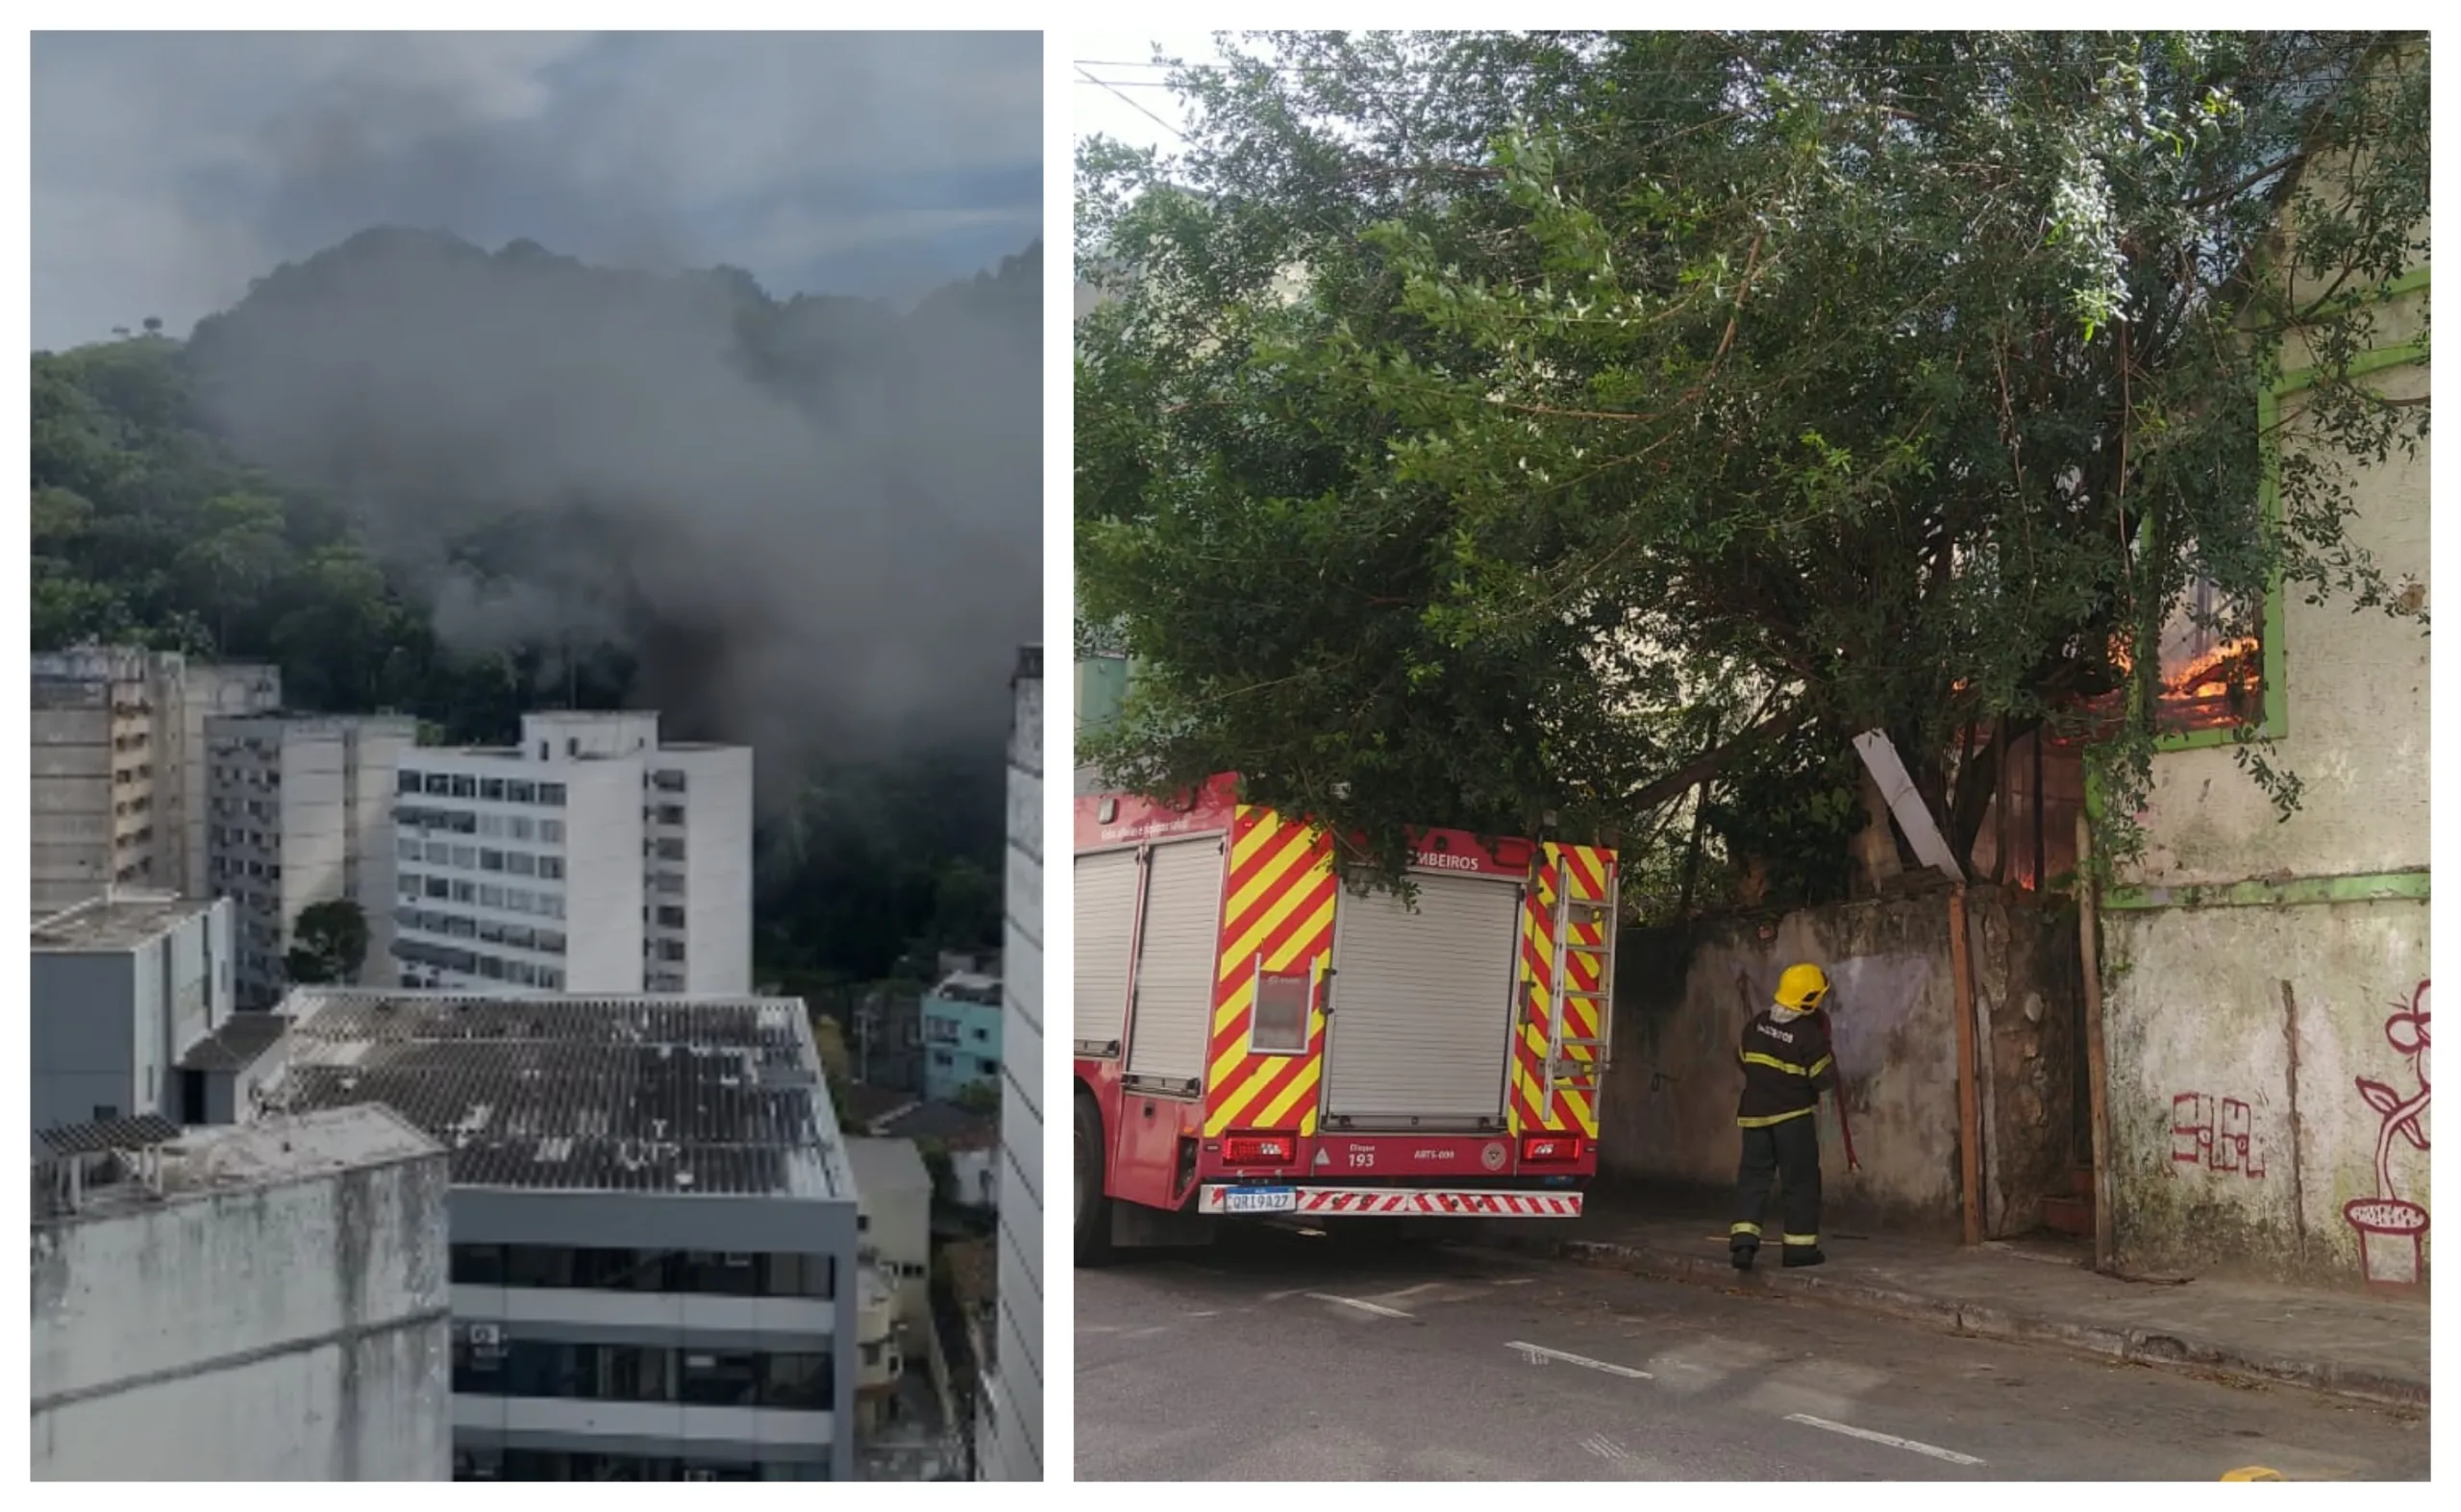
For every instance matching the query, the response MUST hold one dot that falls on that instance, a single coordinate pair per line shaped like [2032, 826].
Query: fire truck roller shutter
[1106, 913]
[1422, 1002]
[1174, 1016]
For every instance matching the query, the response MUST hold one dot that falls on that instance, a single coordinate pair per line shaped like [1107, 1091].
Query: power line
[1132, 102]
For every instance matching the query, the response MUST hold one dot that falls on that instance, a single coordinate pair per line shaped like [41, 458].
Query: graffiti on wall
[2391, 1230]
[2218, 1136]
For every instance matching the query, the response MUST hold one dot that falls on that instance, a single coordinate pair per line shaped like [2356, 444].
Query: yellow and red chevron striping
[1278, 903]
[1586, 871]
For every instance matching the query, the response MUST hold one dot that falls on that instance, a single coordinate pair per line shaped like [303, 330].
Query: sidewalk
[2031, 1291]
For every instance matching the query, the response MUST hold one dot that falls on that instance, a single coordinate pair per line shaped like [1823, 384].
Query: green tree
[237, 557]
[329, 944]
[1481, 423]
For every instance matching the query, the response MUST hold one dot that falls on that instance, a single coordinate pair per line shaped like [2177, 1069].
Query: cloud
[170, 170]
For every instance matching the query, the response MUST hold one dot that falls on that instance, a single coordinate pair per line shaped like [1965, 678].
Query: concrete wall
[2268, 1064]
[71, 851]
[287, 1332]
[2259, 1060]
[894, 1192]
[1011, 1439]
[107, 1025]
[1683, 996]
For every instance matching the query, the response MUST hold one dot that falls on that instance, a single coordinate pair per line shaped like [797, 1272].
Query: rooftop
[888, 1165]
[666, 1094]
[965, 986]
[116, 922]
[241, 1039]
[951, 1124]
[91, 1170]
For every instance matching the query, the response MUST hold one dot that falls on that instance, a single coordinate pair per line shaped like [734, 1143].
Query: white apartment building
[298, 811]
[119, 796]
[1008, 1437]
[589, 858]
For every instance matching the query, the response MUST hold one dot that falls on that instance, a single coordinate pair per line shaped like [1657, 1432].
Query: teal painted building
[961, 1035]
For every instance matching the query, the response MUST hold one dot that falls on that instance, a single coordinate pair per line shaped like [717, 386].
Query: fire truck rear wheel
[1093, 1207]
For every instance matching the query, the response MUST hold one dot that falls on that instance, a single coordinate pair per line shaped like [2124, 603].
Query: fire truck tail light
[1259, 1149]
[1549, 1147]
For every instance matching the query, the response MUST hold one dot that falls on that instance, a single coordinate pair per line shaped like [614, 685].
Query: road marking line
[1206, 1312]
[1378, 1308]
[1889, 1439]
[1539, 1354]
[1275, 1297]
[1605, 1448]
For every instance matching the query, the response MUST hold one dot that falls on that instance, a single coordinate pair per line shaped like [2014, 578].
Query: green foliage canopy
[1491, 429]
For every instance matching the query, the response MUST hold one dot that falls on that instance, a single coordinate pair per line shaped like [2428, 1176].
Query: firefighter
[1787, 1063]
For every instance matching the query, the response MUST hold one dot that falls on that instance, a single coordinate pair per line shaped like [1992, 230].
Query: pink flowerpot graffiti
[2392, 1231]
[2391, 1239]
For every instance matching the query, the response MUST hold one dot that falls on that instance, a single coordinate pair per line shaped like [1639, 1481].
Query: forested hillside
[427, 477]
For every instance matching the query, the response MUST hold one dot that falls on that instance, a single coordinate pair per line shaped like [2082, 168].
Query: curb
[2130, 1346]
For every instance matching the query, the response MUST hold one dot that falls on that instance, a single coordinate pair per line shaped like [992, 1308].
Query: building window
[667, 781]
[406, 783]
[491, 789]
[670, 916]
[670, 849]
[438, 785]
[520, 792]
[671, 951]
[670, 814]
[985, 1067]
[491, 860]
[552, 794]
[551, 831]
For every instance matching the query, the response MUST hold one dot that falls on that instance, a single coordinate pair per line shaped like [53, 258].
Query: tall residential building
[655, 1248]
[260, 1302]
[1009, 1435]
[588, 859]
[121, 989]
[299, 811]
[119, 796]
[210, 691]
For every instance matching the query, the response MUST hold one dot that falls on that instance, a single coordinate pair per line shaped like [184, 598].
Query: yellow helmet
[1803, 987]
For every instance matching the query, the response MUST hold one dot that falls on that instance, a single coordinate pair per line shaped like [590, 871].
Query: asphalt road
[1278, 1356]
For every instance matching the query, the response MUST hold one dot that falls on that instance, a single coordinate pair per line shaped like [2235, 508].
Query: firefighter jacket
[1787, 1064]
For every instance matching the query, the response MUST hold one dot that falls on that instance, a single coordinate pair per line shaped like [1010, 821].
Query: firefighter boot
[1802, 1255]
[1740, 1250]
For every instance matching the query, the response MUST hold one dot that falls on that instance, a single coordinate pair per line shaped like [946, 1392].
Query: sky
[1126, 109]
[171, 169]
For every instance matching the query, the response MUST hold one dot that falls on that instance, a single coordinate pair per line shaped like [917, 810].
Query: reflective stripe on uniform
[1774, 1117]
[1803, 1239]
[1754, 1057]
[1754, 1229]
[1820, 1065]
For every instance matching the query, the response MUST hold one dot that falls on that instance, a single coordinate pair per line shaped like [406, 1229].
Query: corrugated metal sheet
[1105, 913]
[1422, 1002]
[1175, 976]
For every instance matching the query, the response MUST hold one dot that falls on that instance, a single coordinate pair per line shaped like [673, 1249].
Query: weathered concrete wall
[2269, 1065]
[1683, 996]
[266, 1332]
[2262, 1061]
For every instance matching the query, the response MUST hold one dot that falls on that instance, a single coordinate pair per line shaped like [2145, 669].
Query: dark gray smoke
[816, 524]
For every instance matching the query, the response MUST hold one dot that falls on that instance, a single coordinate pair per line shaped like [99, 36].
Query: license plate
[1260, 1200]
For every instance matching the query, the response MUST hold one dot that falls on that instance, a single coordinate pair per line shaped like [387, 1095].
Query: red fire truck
[1255, 1037]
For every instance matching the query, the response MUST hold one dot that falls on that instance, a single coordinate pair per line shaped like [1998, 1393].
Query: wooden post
[2089, 901]
[1969, 1075]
